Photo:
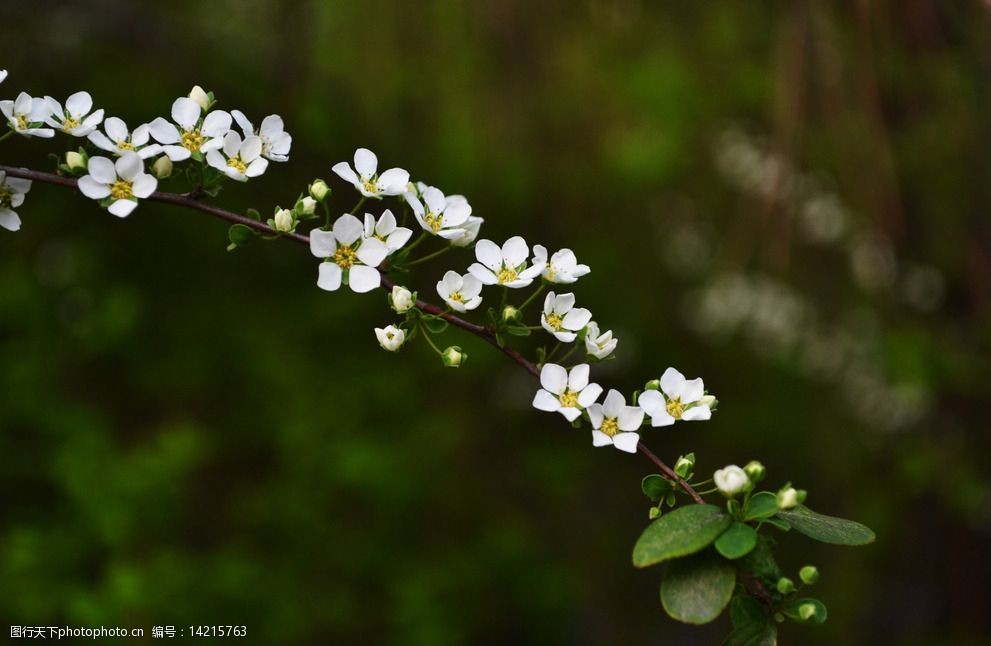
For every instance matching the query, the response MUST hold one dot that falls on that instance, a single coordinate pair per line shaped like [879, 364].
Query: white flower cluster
[118, 182]
[613, 422]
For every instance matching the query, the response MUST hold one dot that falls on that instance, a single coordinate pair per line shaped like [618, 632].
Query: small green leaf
[518, 330]
[777, 522]
[827, 529]
[737, 541]
[696, 590]
[744, 610]
[684, 531]
[760, 561]
[239, 234]
[765, 634]
[818, 611]
[655, 486]
[762, 504]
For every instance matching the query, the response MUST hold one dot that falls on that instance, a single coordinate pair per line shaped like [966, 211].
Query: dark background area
[790, 199]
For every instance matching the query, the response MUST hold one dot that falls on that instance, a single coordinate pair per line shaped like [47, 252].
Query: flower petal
[545, 401]
[185, 112]
[672, 382]
[102, 170]
[554, 378]
[626, 442]
[363, 279]
[600, 439]
[92, 188]
[122, 208]
[329, 278]
[322, 243]
[578, 377]
[365, 162]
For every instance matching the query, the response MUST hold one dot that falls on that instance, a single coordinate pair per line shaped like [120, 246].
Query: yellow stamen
[569, 399]
[6, 197]
[456, 297]
[237, 164]
[554, 320]
[369, 185]
[22, 122]
[345, 257]
[121, 190]
[69, 123]
[191, 140]
[506, 275]
[609, 426]
[125, 145]
[434, 221]
[675, 408]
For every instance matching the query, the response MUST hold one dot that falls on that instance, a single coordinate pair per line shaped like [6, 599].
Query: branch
[482, 332]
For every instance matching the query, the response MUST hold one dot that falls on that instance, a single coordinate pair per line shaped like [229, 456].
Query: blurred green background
[789, 199]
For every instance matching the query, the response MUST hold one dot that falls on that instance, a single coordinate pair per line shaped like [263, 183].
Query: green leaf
[737, 541]
[696, 590]
[684, 531]
[793, 611]
[777, 522]
[239, 234]
[765, 634]
[762, 504]
[518, 330]
[655, 486]
[827, 529]
[760, 561]
[744, 610]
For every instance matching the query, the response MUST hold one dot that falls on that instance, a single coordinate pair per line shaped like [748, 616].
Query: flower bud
[785, 585]
[709, 400]
[453, 356]
[731, 480]
[755, 471]
[808, 574]
[401, 299]
[789, 497]
[283, 221]
[75, 161]
[653, 513]
[510, 314]
[685, 465]
[807, 611]
[199, 95]
[319, 190]
[162, 167]
[653, 384]
[390, 337]
[307, 205]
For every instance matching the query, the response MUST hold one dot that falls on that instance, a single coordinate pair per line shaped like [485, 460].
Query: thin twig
[482, 332]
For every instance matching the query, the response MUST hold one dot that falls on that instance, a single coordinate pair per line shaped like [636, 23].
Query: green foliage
[684, 531]
[827, 529]
[695, 590]
[762, 504]
[655, 486]
[811, 611]
[752, 626]
[737, 541]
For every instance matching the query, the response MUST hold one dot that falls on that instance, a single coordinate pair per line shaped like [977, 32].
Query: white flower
[276, 142]
[386, 231]
[731, 480]
[506, 266]
[283, 221]
[365, 179]
[201, 97]
[119, 140]
[192, 135]
[390, 337]
[787, 498]
[599, 344]
[565, 392]
[12, 191]
[461, 293]
[78, 119]
[25, 114]
[615, 423]
[467, 232]
[439, 215]
[123, 182]
[561, 318]
[347, 255]
[240, 159]
[679, 398]
[401, 299]
[563, 267]
[307, 205]
[3, 75]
